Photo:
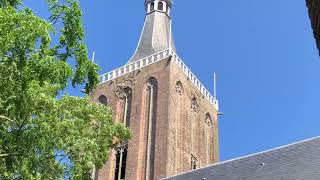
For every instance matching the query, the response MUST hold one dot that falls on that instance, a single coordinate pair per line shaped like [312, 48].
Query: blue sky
[263, 53]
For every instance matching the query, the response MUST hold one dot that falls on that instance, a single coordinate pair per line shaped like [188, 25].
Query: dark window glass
[160, 6]
[152, 7]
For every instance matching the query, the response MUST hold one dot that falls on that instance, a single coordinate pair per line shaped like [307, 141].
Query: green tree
[43, 134]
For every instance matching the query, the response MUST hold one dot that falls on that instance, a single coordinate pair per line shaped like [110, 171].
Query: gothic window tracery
[124, 93]
[194, 104]
[121, 162]
[179, 88]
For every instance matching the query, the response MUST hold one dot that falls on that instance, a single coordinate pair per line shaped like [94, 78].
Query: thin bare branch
[7, 155]
[5, 118]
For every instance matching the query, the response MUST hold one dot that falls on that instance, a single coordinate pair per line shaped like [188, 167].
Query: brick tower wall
[188, 126]
[180, 128]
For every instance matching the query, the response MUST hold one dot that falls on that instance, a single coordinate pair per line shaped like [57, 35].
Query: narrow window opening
[160, 6]
[208, 138]
[151, 125]
[179, 88]
[121, 162]
[194, 162]
[152, 7]
[127, 106]
[128, 113]
[194, 104]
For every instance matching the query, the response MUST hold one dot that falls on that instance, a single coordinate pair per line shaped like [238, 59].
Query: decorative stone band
[153, 59]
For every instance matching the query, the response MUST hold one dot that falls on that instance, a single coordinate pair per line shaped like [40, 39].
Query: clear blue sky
[263, 52]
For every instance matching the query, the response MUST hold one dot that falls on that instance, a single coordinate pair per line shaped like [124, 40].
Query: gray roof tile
[299, 161]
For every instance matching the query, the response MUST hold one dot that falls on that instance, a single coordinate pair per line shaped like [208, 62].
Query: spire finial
[158, 5]
[169, 2]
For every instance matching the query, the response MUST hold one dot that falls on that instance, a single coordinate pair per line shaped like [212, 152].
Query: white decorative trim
[153, 59]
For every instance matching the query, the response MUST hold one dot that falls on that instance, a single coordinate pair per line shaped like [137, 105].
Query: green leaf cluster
[42, 136]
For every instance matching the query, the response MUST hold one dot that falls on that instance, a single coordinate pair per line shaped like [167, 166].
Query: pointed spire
[156, 35]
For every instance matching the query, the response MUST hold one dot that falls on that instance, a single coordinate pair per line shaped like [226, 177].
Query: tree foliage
[43, 136]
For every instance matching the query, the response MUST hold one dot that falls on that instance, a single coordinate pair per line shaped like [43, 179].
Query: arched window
[103, 100]
[152, 88]
[208, 137]
[124, 93]
[152, 6]
[121, 162]
[194, 104]
[179, 88]
[127, 106]
[160, 6]
[194, 162]
[208, 120]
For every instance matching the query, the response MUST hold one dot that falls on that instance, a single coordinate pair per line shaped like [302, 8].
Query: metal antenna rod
[214, 86]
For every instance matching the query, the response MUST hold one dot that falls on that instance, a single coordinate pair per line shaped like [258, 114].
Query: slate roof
[314, 14]
[299, 161]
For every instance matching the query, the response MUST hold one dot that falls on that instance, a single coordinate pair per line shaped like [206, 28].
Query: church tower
[172, 116]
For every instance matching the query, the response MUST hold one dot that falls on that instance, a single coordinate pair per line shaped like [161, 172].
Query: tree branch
[6, 118]
[7, 155]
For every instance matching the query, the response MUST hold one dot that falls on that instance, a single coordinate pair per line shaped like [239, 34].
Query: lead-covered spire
[156, 35]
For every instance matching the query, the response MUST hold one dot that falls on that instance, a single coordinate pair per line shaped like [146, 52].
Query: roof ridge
[262, 152]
